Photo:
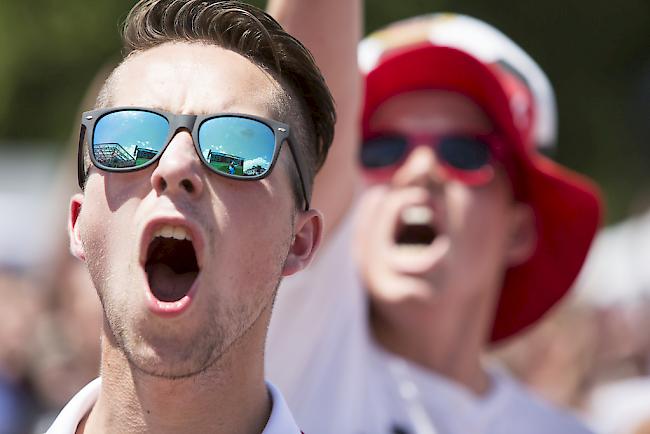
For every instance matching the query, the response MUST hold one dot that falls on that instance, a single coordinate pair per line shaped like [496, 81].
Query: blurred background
[596, 53]
[583, 356]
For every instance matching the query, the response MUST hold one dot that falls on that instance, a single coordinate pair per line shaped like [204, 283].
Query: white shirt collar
[280, 422]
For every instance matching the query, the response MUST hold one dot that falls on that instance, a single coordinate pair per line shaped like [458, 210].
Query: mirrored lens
[464, 153]
[128, 138]
[237, 146]
[383, 151]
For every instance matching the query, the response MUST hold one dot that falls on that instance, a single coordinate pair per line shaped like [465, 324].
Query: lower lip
[170, 309]
[422, 261]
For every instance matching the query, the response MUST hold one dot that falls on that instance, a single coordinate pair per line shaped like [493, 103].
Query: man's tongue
[167, 285]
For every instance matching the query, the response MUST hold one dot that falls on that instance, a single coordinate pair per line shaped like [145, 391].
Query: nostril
[163, 184]
[187, 185]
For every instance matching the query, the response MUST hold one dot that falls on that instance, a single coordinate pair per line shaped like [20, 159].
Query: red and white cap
[465, 55]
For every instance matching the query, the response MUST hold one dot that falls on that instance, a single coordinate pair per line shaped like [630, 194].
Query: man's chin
[170, 363]
[160, 352]
[166, 371]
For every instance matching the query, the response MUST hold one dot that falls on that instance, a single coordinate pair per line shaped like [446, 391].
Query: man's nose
[420, 168]
[179, 168]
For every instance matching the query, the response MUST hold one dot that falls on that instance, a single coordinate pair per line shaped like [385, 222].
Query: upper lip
[198, 241]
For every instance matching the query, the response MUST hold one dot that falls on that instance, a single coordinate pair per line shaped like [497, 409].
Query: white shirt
[321, 354]
[280, 422]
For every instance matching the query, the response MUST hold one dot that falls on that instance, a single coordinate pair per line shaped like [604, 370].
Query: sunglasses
[237, 146]
[465, 158]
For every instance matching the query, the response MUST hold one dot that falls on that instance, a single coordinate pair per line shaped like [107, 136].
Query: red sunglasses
[466, 158]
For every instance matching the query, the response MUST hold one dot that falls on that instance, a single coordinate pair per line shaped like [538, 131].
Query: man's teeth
[176, 232]
[417, 215]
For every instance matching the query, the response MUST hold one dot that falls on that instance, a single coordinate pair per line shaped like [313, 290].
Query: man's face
[175, 306]
[430, 241]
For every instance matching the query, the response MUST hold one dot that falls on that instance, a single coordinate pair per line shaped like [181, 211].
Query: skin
[200, 371]
[336, 56]
[446, 292]
[438, 301]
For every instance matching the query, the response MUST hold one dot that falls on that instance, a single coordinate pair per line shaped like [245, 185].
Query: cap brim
[567, 210]
[566, 205]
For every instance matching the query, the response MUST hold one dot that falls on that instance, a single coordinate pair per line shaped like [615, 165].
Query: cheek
[112, 190]
[477, 215]
[253, 236]
[247, 266]
[373, 240]
[370, 222]
[107, 235]
[94, 220]
[256, 239]
[95, 245]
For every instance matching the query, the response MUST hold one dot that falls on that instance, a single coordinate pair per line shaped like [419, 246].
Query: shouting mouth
[416, 228]
[171, 268]
[171, 263]
[405, 231]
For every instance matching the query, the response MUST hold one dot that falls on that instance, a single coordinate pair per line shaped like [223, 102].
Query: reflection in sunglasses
[124, 139]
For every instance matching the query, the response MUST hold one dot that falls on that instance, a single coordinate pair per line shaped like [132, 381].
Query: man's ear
[308, 233]
[76, 246]
[523, 234]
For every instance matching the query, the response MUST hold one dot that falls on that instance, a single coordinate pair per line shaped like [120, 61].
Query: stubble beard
[182, 356]
[192, 355]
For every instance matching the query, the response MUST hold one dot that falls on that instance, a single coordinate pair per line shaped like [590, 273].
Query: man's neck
[226, 398]
[447, 341]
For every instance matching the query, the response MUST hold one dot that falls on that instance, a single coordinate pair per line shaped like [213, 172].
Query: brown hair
[306, 105]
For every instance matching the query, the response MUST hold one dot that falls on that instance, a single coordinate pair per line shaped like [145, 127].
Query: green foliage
[595, 52]
[50, 52]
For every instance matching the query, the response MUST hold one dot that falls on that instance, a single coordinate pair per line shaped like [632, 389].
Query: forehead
[194, 78]
[431, 111]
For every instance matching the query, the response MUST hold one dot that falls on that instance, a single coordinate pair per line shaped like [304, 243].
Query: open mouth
[416, 227]
[171, 265]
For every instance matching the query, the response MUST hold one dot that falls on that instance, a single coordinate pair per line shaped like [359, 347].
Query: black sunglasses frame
[191, 123]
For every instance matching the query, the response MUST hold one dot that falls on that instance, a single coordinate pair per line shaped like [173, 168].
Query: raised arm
[331, 29]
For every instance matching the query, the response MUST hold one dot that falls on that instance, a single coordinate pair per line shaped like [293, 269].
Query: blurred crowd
[590, 354]
[49, 327]
[50, 344]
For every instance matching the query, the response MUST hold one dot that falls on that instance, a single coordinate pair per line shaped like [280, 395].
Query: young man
[185, 256]
[466, 236]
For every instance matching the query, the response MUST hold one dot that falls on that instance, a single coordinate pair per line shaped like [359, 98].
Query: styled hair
[305, 103]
